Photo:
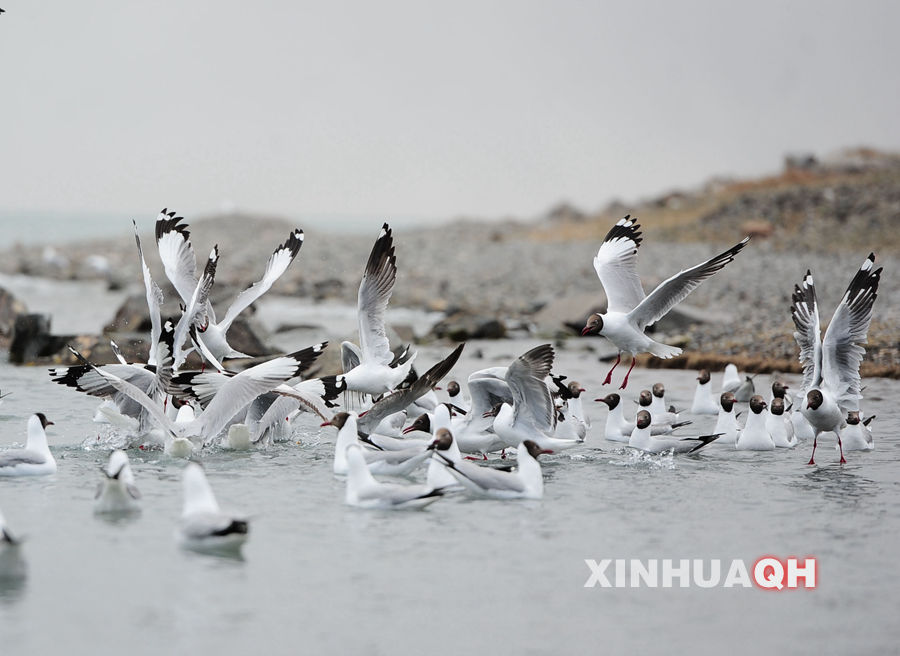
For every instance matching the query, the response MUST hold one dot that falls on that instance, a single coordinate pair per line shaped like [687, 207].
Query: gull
[745, 390]
[437, 475]
[619, 429]
[117, 494]
[524, 482]
[653, 404]
[531, 415]
[643, 440]
[233, 396]
[731, 379]
[571, 422]
[13, 568]
[203, 526]
[858, 436]
[779, 425]
[704, 403]
[35, 459]
[726, 421]
[755, 436]
[363, 491]
[179, 263]
[629, 313]
[831, 365]
[392, 463]
[779, 391]
[371, 367]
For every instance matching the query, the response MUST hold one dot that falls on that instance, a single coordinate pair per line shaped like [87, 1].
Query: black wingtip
[236, 527]
[626, 228]
[169, 224]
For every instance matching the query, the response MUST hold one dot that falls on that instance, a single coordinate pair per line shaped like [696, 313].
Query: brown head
[727, 401]
[611, 400]
[643, 419]
[659, 390]
[338, 420]
[534, 450]
[853, 417]
[44, 421]
[452, 388]
[703, 376]
[421, 423]
[575, 389]
[779, 389]
[777, 406]
[645, 398]
[442, 440]
[594, 325]
[757, 404]
[814, 399]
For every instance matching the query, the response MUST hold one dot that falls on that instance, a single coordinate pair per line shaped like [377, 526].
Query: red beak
[408, 429]
[808, 406]
[584, 331]
[324, 424]
[543, 451]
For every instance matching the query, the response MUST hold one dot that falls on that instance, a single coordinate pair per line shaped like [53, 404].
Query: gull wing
[615, 266]
[842, 352]
[277, 264]
[805, 313]
[154, 299]
[484, 478]
[196, 309]
[173, 240]
[674, 290]
[531, 396]
[400, 399]
[375, 291]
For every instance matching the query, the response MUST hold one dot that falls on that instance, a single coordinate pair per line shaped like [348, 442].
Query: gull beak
[324, 424]
[581, 389]
[585, 331]
[546, 451]
[408, 430]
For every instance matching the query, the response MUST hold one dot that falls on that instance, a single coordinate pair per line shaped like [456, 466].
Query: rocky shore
[490, 279]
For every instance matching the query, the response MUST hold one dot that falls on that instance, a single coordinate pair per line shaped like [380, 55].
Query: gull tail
[664, 351]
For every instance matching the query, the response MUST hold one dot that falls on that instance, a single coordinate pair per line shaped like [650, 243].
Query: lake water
[462, 576]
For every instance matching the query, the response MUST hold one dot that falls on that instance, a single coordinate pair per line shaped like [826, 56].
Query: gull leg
[609, 375]
[841, 447]
[625, 382]
[812, 460]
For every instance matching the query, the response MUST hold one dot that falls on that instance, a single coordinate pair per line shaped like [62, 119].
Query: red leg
[609, 375]
[841, 447]
[812, 458]
[625, 382]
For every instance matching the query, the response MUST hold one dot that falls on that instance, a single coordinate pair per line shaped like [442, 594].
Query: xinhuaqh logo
[766, 573]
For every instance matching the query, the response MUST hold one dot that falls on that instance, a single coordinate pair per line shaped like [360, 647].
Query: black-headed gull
[755, 435]
[619, 429]
[532, 415]
[35, 459]
[526, 481]
[179, 262]
[643, 440]
[831, 365]
[731, 379]
[857, 436]
[726, 421]
[704, 402]
[203, 526]
[628, 311]
[779, 425]
[372, 368]
[398, 462]
[659, 415]
[117, 493]
[233, 396]
[364, 491]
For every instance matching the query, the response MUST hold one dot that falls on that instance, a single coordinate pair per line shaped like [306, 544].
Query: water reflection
[13, 573]
[838, 483]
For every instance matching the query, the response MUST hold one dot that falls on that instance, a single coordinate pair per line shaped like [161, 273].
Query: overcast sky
[422, 109]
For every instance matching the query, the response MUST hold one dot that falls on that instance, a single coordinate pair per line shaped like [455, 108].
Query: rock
[463, 326]
[567, 313]
[10, 308]
[32, 340]
[245, 336]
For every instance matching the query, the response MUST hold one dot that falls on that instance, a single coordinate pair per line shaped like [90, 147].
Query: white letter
[715, 573]
[646, 574]
[807, 572]
[597, 575]
[683, 572]
[620, 572]
[773, 580]
[737, 575]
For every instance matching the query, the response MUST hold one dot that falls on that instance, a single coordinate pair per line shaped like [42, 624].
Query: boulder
[462, 326]
[10, 308]
[32, 340]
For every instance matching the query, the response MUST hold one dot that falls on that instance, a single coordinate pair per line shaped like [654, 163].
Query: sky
[426, 110]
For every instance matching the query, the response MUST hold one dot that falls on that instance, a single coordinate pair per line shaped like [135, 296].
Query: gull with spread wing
[831, 365]
[628, 312]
